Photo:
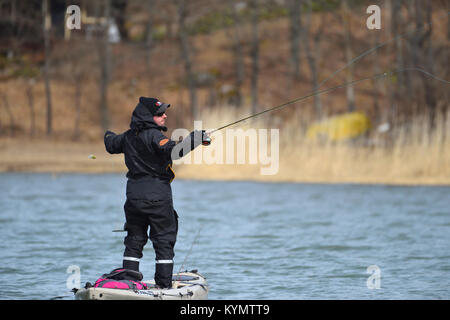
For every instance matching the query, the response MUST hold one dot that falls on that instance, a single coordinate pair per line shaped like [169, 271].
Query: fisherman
[148, 157]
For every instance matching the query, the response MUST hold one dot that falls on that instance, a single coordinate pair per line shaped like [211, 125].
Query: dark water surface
[256, 240]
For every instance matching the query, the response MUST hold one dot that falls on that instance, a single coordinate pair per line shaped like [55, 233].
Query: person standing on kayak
[148, 157]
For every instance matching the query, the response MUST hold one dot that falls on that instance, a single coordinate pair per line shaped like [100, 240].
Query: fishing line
[367, 52]
[190, 250]
[351, 62]
[324, 91]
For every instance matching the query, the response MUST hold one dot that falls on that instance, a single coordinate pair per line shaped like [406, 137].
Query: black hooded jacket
[148, 155]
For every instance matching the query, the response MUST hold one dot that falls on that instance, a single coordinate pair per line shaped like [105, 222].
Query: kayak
[187, 285]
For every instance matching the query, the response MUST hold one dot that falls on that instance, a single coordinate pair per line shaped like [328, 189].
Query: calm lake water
[256, 240]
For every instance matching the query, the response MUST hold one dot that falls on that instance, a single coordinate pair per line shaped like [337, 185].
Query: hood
[143, 119]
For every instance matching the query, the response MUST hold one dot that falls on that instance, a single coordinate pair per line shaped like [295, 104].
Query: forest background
[218, 61]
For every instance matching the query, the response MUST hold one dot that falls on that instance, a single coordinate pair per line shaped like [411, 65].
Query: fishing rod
[324, 91]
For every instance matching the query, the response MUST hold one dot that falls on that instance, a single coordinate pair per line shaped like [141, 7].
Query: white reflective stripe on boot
[164, 261]
[131, 259]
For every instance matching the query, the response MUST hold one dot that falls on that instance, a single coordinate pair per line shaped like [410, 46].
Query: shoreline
[59, 157]
[56, 170]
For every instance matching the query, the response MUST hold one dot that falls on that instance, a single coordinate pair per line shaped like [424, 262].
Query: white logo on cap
[158, 103]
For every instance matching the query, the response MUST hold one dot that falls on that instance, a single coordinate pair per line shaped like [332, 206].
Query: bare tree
[392, 7]
[30, 96]
[46, 25]
[377, 83]
[313, 53]
[104, 49]
[348, 54]
[12, 125]
[237, 53]
[396, 21]
[254, 53]
[295, 36]
[391, 113]
[429, 87]
[186, 55]
[77, 75]
[448, 22]
[149, 39]
[421, 54]
[414, 43]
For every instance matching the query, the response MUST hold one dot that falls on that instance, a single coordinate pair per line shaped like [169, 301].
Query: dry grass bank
[414, 157]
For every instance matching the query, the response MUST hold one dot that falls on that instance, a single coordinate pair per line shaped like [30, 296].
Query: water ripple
[296, 241]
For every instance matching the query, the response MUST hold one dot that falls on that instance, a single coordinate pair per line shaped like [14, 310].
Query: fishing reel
[206, 139]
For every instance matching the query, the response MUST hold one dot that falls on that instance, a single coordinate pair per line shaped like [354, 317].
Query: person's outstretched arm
[177, 150]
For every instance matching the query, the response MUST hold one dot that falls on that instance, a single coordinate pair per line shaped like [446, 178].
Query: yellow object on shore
[338, 128]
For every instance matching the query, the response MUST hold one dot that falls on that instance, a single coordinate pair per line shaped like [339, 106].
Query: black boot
[163, 275]
[131, 265]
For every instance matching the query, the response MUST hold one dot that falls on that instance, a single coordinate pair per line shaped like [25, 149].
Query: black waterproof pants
[163, 222]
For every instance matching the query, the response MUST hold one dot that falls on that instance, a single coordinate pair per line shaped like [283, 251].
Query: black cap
[154, 105]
